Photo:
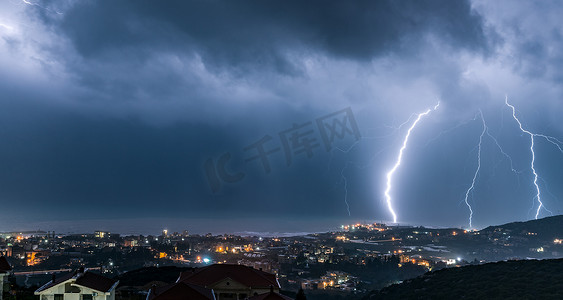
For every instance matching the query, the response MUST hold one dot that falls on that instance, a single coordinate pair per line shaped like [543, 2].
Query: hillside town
[352, 261]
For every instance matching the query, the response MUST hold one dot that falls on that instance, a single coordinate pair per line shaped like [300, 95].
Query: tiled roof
[248, 276]
[96, 282]
[57, 280]
[180, 291]
[4, 265]
[270, 296]
[88, 279]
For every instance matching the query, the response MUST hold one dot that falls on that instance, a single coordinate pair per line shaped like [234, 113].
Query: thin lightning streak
[345, 192]
[354, 164]
[6, 26]
[538, 193]
[398, 162]
[45, 8]
[503, 153]
[488, 133]
[357, 165]
[397, 128]
[552, 140]
[472, 187]
[549, 193]
[448, 131]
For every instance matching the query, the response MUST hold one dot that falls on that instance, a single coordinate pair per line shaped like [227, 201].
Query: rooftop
[248, 276]
[180, 291]
[86, 279]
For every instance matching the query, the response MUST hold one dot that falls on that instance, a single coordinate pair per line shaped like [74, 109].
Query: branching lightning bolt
[472, 187]
[399, 159]
[550, 139]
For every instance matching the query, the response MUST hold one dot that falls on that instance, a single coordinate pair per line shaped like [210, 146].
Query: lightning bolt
[549, 193]
[503, 153]
[550, 139]
[444, 132]
[472, 187]
[399, 159]
[345, 192]
[40, 6]
[6, 26]
[343, 179]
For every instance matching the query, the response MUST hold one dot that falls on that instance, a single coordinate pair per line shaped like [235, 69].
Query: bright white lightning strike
[343, 177]
[472, 187]
[550, 139]
[399, 159]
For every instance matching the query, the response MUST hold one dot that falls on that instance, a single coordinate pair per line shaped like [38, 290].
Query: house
[180, 291]
[5, 270]
[218, 282]
[229, 281]
[270, 296]
[78, 285]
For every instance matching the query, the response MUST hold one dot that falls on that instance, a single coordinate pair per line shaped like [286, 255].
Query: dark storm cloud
[537, 56]
[132, 54]
[80, 166]
[534, 34]
[532, 37]
[265, 33]
[111, 108]
[162, 56]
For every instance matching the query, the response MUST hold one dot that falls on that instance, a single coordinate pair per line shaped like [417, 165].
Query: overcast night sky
[140, 110]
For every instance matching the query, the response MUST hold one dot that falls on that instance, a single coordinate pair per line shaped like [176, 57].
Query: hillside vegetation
[524, 279]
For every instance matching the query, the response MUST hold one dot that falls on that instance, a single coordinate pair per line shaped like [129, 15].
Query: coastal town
[351, 261]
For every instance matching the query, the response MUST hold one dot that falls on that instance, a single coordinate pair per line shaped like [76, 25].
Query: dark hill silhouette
[549, 228]
[523, 279]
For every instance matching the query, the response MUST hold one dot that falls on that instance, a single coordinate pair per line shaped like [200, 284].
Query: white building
[5, 270]
[79, 285]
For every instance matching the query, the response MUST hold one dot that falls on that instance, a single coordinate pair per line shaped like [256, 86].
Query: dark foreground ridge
[548, 227]
[523, 279]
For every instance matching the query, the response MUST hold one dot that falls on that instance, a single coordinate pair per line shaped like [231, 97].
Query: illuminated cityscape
[342, 262]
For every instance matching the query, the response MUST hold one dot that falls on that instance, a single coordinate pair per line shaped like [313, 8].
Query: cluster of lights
[334, 279]
[200, 259]
[369, 227]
